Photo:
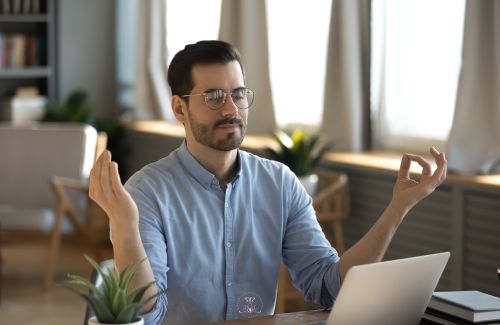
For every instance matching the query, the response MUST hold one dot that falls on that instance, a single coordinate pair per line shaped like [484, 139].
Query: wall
[86, 51]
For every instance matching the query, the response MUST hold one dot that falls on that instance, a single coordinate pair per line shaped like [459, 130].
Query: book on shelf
[27, 6]
[5, 6]
[20, 7]
[22, 50]
[35, 6]
[473, 306]
[16, 6]
[18, 54]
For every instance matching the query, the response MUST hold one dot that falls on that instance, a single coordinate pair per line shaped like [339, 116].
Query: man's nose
[229, 108]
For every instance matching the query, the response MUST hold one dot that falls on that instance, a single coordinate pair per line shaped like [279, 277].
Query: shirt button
[229, 284]
[227, 205]
[228, 244]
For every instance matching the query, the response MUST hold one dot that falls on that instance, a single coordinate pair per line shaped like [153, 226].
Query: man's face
[222, 129]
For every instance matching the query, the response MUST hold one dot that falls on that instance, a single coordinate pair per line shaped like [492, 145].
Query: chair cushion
[30, 218]
[29, 156]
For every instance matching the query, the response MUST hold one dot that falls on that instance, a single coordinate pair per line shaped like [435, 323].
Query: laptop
[387, 293]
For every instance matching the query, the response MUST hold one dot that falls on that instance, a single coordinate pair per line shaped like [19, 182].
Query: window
[298, 40]
[189, 21]
[416, 58]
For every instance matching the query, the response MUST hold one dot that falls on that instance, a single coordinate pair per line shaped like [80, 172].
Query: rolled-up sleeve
[153, 239]
[313, 263]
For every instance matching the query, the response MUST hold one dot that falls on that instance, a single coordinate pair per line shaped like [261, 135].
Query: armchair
[29, 156]
[92, 229]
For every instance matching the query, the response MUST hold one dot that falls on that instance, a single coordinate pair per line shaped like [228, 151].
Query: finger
[404, 169]
[104, 179]
[434, 152]
[116, 184]
[439, 157]
[442, 167]
[95, 176]
[426, 166]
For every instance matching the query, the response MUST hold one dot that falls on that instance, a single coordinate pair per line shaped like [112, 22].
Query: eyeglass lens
[241, 97]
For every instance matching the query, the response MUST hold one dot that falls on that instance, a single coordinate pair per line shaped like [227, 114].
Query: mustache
[229, 121]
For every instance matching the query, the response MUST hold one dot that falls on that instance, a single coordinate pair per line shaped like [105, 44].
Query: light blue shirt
[218, 252]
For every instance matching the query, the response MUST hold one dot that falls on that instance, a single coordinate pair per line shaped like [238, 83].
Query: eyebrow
[213, 89]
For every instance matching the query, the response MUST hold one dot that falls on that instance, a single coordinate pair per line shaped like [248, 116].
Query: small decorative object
[113, 302]
[301, 153]
[25, 107]
[498, 273]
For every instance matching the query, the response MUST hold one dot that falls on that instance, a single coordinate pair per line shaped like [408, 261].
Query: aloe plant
[300, 152]
[113, 302]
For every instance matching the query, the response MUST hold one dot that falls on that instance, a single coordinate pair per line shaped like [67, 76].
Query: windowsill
[375, 160]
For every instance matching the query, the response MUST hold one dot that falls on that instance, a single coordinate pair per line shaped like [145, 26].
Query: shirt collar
[199, 173]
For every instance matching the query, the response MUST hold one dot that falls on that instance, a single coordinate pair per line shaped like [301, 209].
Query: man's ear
[178, 108]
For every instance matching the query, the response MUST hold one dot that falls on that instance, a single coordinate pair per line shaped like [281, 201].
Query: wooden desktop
[297, 318]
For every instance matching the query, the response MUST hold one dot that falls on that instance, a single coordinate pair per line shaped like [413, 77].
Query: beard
[205, 134]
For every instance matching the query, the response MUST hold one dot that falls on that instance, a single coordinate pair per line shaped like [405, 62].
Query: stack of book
[20, 6]
[463, 307]
[21, 50]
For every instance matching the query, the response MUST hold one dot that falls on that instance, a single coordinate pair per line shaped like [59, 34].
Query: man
[215, 221]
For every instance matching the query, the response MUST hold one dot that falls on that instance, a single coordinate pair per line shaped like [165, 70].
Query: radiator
[462, 219]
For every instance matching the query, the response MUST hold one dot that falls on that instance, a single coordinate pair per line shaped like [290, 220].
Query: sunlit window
[189, 21]
[298, 38]
[416, 59]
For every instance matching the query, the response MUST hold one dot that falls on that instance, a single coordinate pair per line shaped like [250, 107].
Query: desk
[298, 318]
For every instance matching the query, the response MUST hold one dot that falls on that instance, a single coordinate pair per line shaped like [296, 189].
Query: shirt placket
[229, 254]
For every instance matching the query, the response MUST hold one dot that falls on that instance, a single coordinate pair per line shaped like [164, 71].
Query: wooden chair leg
[282, 286]
[1, 262]
[339, 237]
[54, 244]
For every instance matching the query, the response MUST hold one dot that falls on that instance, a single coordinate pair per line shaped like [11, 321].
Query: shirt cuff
[331, 285]
[155, 315]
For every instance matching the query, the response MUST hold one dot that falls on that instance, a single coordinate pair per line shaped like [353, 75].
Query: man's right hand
[107, 191]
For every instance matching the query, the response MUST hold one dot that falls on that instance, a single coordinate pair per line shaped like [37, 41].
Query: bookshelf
[28, 47]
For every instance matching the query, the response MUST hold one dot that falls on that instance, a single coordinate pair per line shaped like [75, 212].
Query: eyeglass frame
[224, 100]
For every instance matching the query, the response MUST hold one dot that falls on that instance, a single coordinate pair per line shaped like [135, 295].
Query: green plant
[300, 152]
[113, 302]
[74, 109]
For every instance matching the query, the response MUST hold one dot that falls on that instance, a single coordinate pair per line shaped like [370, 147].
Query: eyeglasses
[216, 98]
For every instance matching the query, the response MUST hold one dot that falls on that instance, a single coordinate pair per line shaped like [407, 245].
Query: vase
[310, 183]
[93, 321]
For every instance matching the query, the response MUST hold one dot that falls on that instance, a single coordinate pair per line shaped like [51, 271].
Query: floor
[23, 300]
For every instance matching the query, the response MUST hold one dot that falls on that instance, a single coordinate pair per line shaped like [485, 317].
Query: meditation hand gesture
[408, 192]
[107, 191]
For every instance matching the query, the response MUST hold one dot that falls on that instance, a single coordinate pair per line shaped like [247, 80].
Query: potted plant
[301, 153]
[74, 109]
[113, 302]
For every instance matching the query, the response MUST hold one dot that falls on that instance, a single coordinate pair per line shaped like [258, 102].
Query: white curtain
[474, 140]
[346, 114]
[152, 94]
[243, 24]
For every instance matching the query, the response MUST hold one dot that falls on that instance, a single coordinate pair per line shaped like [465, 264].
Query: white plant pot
[310, 183]
[94, 321]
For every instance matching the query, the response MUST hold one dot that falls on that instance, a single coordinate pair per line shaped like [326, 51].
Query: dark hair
[180, 78]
